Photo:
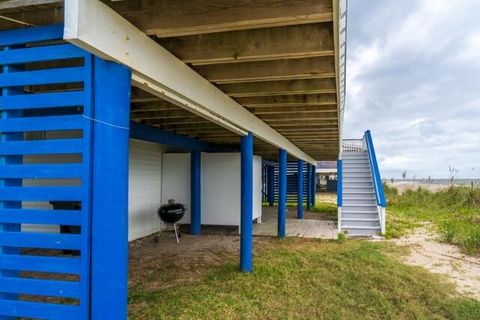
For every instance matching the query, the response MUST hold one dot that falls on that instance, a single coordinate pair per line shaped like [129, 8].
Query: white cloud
[413, 79]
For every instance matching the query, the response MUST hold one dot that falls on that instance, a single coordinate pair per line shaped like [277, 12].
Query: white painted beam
[96, 28]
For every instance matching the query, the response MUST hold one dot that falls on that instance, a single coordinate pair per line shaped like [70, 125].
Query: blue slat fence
[45, 156]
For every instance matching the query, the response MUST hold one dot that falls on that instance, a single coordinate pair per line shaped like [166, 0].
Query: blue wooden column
[300, 190]
[309, 185]
[109, 264]
[271, 185]
[246, 218]
[313, 185]
[282, 192]
[195, 192]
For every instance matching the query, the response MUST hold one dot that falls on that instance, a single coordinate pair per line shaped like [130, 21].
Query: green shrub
[455, 212]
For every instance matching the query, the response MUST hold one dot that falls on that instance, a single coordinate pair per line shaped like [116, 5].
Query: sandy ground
[404, 186]
[426, 251]
[161, 263]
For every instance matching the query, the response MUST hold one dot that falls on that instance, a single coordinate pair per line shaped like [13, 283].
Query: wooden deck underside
[276, 58]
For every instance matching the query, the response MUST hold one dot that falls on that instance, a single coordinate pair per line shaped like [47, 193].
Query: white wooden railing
[352, 145]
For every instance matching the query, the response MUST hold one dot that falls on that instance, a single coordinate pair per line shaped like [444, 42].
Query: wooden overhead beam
[96, 28]
[286, 42]
[299, 109]
[173, 18]
[26, 5]
[275, 88]
[290, 69]
[293, 100]
[294, 116]
[301, 123]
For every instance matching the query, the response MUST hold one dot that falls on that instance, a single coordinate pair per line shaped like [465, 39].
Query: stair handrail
[353, 145]
[377, 179]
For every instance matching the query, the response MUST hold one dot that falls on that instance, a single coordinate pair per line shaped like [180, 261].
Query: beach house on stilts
[111, 108]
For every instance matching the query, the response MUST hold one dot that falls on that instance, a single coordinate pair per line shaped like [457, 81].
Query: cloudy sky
[413, 79]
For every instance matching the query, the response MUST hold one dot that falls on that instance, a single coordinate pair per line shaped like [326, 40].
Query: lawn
[307, 279]
[454, 213]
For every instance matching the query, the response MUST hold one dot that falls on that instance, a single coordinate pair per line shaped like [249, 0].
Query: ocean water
[458, 182]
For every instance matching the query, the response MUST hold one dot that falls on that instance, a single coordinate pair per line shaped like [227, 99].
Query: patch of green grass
[341, 237]
[455, 212]
[330, 209]
[309, 279]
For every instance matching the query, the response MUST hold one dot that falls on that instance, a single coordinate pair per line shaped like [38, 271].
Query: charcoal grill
[171, 213]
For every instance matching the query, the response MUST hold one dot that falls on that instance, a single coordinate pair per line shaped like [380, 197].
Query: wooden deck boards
[306, 228]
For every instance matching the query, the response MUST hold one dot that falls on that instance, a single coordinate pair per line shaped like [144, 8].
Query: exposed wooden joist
[23, 5]
[287, 42]
[294, 100]
[274, 88]
[299, 116]
[290, 69]
[96, 28]
[301, 123]
[300, 109]
[173, 18]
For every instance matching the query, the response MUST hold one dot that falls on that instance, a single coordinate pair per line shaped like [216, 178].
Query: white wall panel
[220, 186]
[145, 188]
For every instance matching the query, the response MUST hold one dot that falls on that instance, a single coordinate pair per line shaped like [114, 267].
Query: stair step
[359, 207]
[347, 155]
[358, 190]
[354, 169]
[357, 175]
[356, 216]
[360, 212]
[361, 231]
[360, 227]
[360, 219]
[357, 184]
[361, 224]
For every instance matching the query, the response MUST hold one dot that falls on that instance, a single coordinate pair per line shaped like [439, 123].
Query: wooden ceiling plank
[287, 100]
[275, 88]
[286, 42]
[173, 18]
[289, 69]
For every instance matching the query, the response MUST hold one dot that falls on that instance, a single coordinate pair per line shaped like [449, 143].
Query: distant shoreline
[433, 185]
[458, 182]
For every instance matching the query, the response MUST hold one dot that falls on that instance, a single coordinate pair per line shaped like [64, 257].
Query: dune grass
[309, 279]
[454, 212]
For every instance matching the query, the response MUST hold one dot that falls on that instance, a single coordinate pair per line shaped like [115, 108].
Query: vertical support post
[314, 185]
[271, 185]
[195, 192]
[246, 217]
[339, 193]
[282, 192]
[111, 100]
[309, 185]
[300, 190]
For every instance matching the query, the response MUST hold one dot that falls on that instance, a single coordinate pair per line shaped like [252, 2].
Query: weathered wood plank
[290, 69]
[274, 88]
[299, 41]
[293, 100]
[295, 109]
[173, 18]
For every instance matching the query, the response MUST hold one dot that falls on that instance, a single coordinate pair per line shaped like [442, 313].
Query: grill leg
[175, 226]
